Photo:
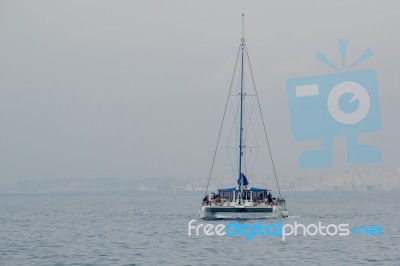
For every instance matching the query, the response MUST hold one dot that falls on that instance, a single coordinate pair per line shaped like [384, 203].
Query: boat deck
[239, 209]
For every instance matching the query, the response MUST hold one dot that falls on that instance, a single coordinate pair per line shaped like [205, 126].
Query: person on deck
[206, 201]
[269, 197]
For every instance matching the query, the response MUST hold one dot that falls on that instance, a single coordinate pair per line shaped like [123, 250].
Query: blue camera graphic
[338, 104]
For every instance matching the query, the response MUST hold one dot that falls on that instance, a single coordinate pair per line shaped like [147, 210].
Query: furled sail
[245, 182]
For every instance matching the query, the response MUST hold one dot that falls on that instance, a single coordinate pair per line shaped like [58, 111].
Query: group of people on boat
[217, 200]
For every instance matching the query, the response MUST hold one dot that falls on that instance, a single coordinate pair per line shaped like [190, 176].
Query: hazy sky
[131, 89]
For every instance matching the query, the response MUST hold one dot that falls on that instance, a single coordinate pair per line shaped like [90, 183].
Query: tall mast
[241, 111]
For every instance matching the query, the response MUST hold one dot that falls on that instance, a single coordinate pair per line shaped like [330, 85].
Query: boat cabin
[248, 194]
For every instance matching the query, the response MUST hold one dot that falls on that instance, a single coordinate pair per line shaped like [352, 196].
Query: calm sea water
[150, 228]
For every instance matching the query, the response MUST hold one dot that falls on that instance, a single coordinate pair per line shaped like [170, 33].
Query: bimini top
[236, 189]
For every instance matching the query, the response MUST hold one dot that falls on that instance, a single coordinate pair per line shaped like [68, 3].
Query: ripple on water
[151, 228]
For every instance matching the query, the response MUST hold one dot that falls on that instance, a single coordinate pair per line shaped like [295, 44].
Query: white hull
[240, 211]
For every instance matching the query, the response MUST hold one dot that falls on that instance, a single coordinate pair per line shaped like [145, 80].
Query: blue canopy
[227, 189]
[258, 189]
[235, 189]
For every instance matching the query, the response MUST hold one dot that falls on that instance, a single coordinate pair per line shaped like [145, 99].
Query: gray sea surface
[151, 228]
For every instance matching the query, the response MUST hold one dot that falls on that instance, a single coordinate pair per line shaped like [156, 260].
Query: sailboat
[242, 199]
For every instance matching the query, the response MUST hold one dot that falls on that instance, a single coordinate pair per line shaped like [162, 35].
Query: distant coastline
[349, 181]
